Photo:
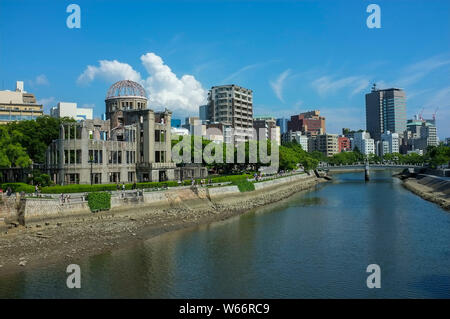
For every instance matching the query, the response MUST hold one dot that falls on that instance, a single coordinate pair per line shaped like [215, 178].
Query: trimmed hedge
[18, 187]
[230, 178]
[99, 201]
[78, 188]
[156, 184]
[244, 186]
[84, 188]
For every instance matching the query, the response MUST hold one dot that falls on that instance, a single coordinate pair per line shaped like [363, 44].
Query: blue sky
[295, 55]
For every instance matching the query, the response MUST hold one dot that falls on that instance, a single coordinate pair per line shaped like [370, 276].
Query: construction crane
[434, 114]
[420, 114]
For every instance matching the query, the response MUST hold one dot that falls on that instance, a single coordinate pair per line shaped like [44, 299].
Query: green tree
[36, 135]
[12, 154]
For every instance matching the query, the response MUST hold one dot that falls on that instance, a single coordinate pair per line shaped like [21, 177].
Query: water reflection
[315, 244]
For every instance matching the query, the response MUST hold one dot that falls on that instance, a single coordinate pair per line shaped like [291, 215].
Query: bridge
[362, 166]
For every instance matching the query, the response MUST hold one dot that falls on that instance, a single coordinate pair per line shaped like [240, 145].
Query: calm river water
[316, 244]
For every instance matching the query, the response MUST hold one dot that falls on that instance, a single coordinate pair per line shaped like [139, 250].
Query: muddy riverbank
[71, 238]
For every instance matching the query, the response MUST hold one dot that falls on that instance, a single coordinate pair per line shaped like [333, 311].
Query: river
[315, 244]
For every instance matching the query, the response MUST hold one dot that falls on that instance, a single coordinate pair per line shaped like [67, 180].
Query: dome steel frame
[126, 88]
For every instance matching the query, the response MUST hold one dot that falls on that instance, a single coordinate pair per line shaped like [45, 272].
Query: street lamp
[91, 161]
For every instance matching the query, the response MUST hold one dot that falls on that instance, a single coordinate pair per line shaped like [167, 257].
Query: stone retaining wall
[36, 210]
[280, 181]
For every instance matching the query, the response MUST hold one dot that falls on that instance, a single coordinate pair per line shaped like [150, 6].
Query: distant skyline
[296, 56]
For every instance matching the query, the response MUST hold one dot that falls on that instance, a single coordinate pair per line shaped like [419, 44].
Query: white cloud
[440, 99]
[110, 71]
[246, 68]
[240, 71]
[419, 70]
[440, 102]
[163, 87]
[41, 80]
[327, 85]
[277, 85]
[47, 102]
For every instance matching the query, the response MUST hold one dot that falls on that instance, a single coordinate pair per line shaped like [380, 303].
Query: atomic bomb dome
[126, 88]
[124, 96]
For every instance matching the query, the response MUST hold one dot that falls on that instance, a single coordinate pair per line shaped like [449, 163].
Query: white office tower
[364, 143]
[67, 109]
[389, 143]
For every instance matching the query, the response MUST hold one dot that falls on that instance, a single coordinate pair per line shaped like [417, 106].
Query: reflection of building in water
[133, 144]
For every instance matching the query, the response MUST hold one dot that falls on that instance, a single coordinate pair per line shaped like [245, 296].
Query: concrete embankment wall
[265, 192]
[39, 210]
[436, 184]
[430, 188]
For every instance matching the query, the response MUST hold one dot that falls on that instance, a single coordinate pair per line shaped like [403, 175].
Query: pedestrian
[36, 190]
[123, 186]
[9, 191]
[117, 186]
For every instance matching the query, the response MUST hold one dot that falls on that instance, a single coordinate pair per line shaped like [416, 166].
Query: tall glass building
[283, 124]
[385, 111]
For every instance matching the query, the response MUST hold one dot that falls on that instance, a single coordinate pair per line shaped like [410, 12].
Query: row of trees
[435, 156]
[290, 155]
[220, 157]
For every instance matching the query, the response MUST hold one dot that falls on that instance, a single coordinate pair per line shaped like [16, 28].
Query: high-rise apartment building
[324, 143]
[267, 126]
[385, 111]
[18, 105]
[363, 142]
[309, 123]
[232, 106]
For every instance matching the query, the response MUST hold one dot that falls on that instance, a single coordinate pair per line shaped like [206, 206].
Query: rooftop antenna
[374, 87]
